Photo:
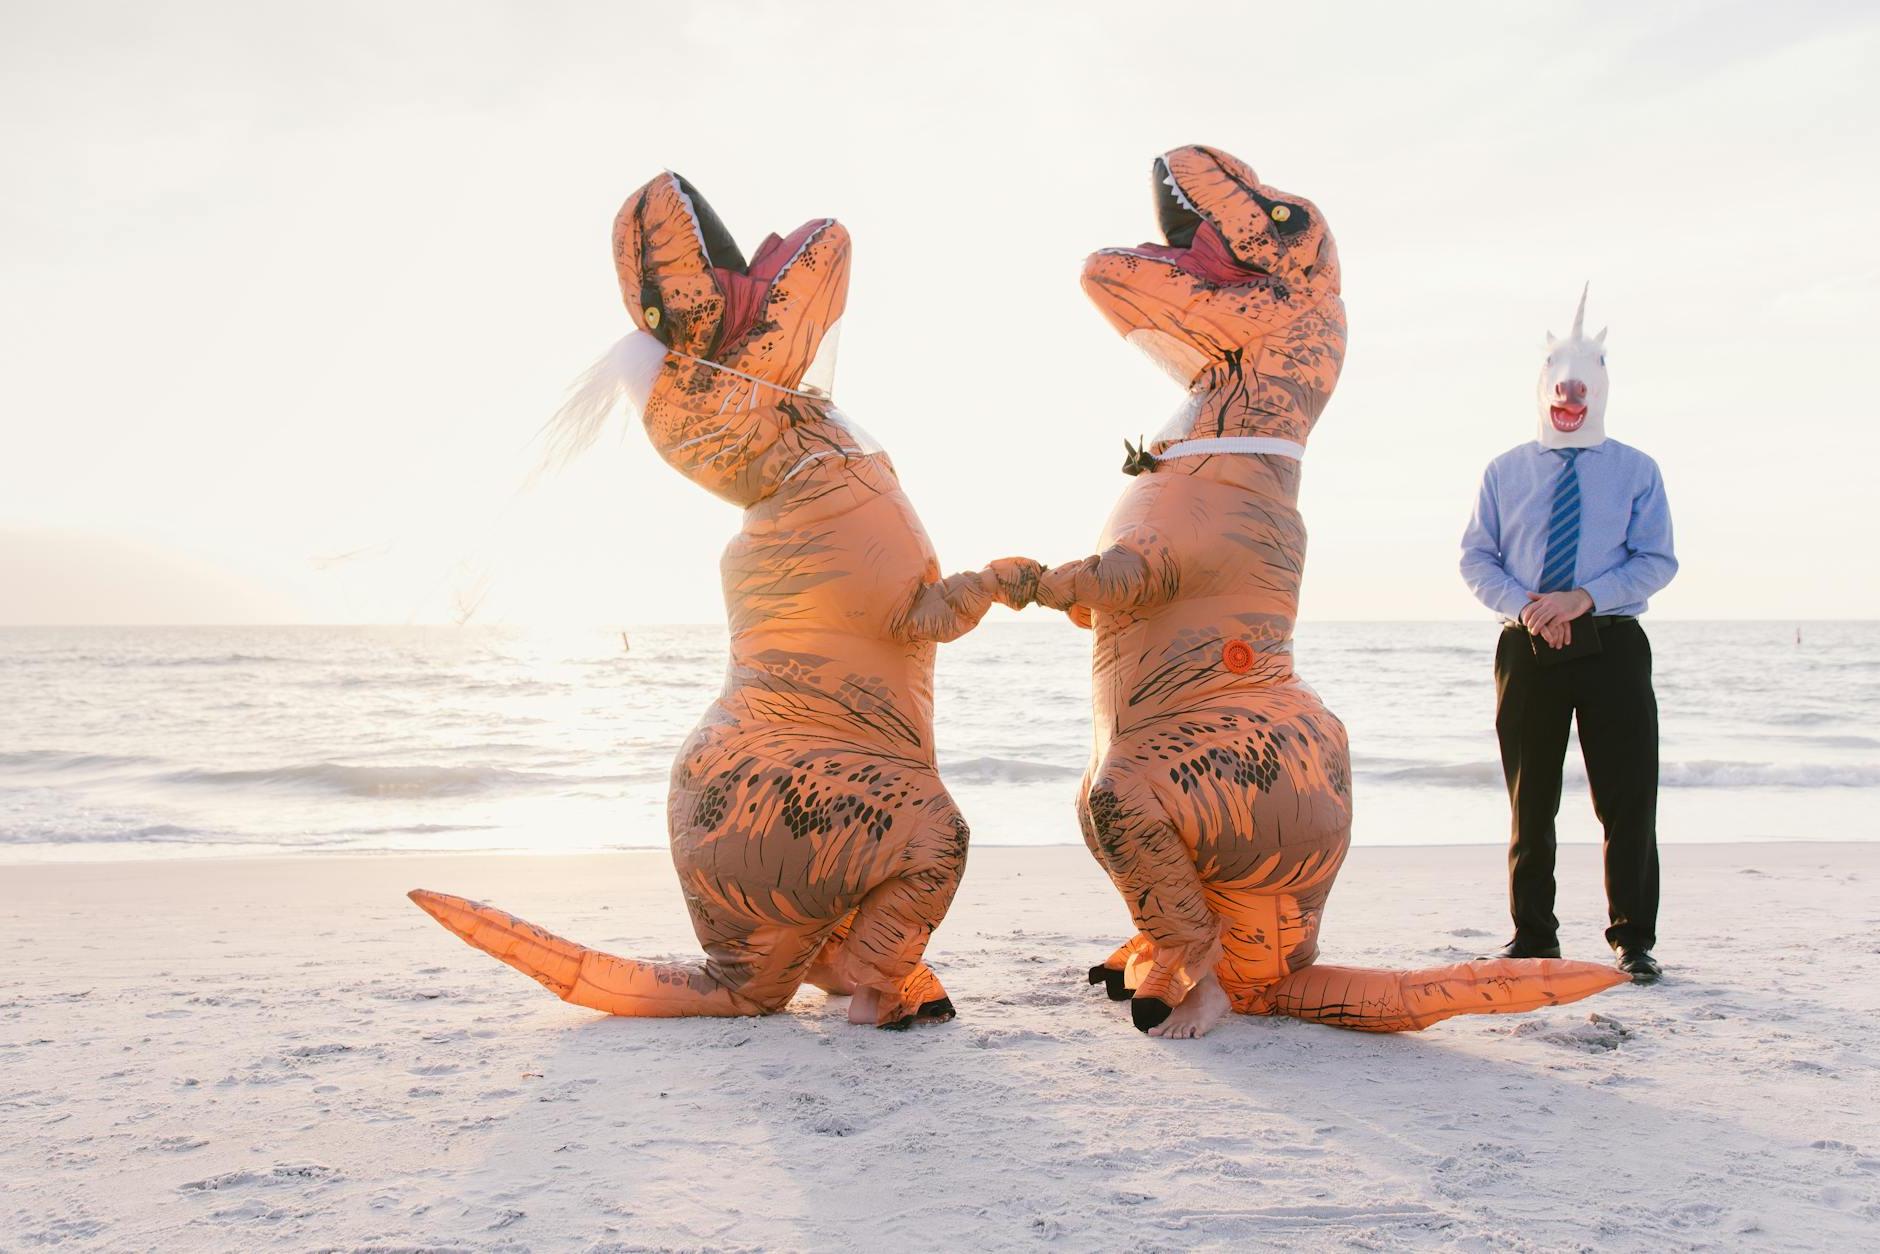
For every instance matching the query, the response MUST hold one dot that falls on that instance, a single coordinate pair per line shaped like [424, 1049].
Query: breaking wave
[226, 659]
[1701, 774]
[388, 781]
[50, 766]
[1006, 771]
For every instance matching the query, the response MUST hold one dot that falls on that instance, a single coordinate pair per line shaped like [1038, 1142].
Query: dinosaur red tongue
[1207, 258]
[746, 290]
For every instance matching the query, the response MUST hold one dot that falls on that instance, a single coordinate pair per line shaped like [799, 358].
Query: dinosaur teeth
[691, 211]
[1181, 197]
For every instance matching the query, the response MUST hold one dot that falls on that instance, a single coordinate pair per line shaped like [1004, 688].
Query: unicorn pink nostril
[1571, 391]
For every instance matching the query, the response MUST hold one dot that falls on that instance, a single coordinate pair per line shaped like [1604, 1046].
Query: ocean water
[147, 742]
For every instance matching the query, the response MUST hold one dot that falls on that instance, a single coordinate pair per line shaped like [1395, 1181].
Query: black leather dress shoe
[1518, 948]
[1640, 965]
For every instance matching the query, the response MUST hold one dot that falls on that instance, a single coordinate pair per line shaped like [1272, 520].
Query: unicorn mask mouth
[1567, 418]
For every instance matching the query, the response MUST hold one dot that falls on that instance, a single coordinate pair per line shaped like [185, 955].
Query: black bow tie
[1138, 459]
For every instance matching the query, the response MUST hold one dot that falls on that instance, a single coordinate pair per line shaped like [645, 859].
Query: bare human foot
[1204, 1007]
[865, 1006]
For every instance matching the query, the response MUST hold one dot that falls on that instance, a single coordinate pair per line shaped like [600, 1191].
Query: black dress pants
[1611, 693]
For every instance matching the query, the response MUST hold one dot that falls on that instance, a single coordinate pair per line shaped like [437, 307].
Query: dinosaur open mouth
[1194, 244]
[1566, 418]
[745, 284]
[720, 249]
[1175, 214]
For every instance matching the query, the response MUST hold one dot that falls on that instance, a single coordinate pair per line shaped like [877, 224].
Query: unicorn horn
[1579, 315]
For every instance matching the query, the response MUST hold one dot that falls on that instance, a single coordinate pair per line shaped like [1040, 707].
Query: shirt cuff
[1510, 602]
[1602, 592]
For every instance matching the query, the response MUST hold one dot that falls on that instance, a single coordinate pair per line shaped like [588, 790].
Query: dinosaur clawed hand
[1057, 586]
[1014, 581]
[1057, 590]
[1018, 582]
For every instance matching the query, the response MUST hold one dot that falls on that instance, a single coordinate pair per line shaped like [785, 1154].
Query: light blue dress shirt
[1625, 528]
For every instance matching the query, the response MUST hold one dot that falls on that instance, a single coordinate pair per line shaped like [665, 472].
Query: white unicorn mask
[1572, 391]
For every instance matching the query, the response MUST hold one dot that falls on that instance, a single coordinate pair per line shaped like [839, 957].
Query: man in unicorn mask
[1571, 537]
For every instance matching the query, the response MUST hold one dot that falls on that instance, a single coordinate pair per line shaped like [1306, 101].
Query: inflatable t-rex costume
[1218, 797]
[812, 835]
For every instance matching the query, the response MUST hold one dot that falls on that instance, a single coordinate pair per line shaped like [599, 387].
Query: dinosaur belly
[812, 600]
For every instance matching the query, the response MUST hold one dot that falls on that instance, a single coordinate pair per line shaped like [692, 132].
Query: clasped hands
[1019, 581]
[1550, 615]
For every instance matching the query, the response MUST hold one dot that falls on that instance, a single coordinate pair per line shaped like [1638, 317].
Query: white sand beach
[284, 1053]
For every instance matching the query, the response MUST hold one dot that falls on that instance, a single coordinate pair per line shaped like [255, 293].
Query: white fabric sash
[1235, 444]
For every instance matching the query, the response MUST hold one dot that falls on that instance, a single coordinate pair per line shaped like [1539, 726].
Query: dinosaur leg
[1260, 933]
[831, 975]
[880, 957]
[822, 973]
[1154, 869]
[771, 957]
[1124, 969]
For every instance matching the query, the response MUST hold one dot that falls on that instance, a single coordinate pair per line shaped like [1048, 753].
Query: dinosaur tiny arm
[1119, 578]
[951, 607]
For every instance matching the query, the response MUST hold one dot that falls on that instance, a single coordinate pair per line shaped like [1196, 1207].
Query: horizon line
[622, 626]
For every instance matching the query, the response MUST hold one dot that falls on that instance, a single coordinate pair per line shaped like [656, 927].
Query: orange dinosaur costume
[1218, 797]
[812, 835]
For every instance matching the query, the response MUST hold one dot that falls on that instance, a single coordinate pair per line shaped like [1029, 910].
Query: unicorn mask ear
[1552, 339]
[1600, 339]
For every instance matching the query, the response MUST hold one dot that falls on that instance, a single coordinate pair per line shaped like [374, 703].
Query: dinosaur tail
[1409, 1001]
[583, 976]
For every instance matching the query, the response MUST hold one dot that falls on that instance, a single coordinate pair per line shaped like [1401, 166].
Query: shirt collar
[1541, 450]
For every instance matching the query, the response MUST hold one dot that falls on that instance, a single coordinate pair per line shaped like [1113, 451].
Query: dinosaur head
[686, 282]
[732, 355]
[1571, 394]
[1240, 263]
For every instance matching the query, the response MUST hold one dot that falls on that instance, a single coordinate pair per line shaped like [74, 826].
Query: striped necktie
[1563, 528]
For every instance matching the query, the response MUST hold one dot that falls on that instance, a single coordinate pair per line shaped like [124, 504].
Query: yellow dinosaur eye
[1281, 213]
[652, 317]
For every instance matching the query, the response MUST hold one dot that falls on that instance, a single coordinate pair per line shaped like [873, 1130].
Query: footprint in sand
[1599, 1034]
[1003, 1038]
[317, 1051]
[283, 1173]
[435, 1068]
[1809, 1067]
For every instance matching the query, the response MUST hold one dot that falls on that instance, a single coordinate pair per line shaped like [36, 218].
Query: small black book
[1583, 642]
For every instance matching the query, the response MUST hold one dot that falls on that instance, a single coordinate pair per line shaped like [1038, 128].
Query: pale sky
[285, 282]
